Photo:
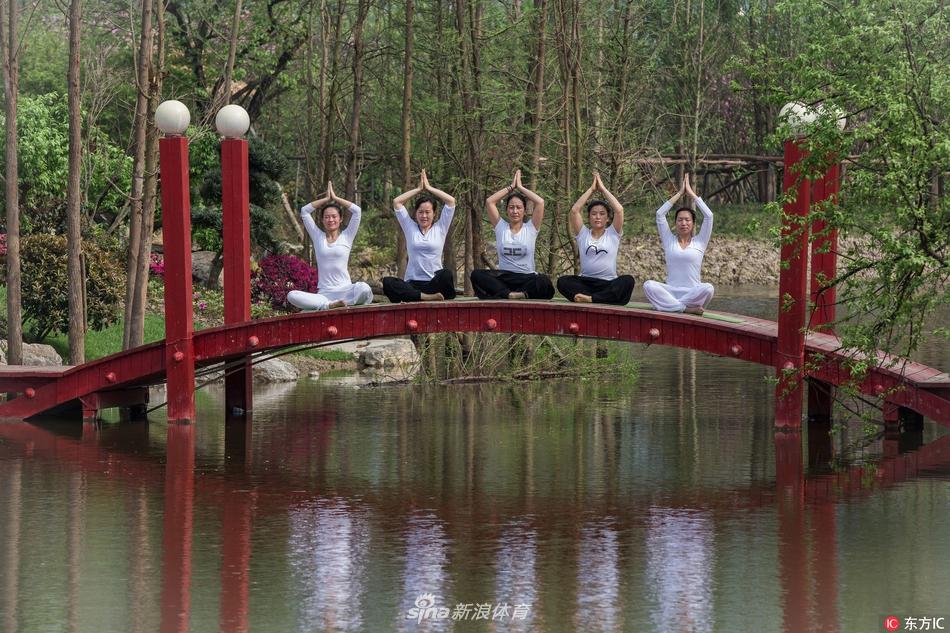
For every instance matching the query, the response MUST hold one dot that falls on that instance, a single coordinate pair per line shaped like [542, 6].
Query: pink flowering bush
[156, 266]
[279, 274]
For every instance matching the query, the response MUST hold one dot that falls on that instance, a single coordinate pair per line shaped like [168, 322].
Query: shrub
[156, 265]
[45, 285]
[279, 274]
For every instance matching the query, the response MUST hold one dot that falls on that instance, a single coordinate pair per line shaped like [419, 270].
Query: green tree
[886, 67]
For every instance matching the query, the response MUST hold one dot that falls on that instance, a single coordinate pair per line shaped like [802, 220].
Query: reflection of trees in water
[573, 441]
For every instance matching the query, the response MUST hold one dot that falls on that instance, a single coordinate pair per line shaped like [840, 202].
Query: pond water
[655, 504]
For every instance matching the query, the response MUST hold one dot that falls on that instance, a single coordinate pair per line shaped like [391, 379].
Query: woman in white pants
[683, 290]
[332, 247]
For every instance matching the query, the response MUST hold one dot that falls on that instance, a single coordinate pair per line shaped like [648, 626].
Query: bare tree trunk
[401, 255]
[537, 89]
[77, 312]
[359, 52]
[326, 140]
[309, 187]
[138, 173]
[468, 23]
[150, 187]
[224, 92]
[11, 84]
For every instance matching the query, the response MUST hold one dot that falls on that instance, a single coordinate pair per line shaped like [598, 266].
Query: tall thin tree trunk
[308, 186]
[138, 175]
[77, 321]
[401, 255]
[224, 97]
[359, 51]
[150, 187]
[537, 88]
[11, 84]
[468, 24]
[326, 140]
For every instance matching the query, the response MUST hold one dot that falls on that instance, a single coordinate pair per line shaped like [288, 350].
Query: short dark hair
[330, 205]
[601, 203]
[422, 200]
[520, 196]
[692, 213]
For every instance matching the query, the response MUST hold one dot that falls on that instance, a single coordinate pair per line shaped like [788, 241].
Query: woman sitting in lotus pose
[332, 247]
[683, 290]
[425, 279]
[598, 246]
[516, 277]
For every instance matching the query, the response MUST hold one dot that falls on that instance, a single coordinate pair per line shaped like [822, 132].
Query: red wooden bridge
[104, 382]
[908, 389]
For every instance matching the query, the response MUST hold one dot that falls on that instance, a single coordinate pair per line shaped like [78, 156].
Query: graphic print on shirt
[597, 251]
[515, 251]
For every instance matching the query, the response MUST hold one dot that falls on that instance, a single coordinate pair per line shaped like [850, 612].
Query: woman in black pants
[516, 277]
[598, 246]
[425, 279]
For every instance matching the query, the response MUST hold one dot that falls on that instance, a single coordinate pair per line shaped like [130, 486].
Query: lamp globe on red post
[172, 118]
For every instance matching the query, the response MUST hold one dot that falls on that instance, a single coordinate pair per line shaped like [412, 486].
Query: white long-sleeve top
[332, 258]
[683, 265]
[424, 249]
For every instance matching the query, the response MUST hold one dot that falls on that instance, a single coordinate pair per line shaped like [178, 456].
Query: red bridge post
[176, 230]
[238, 391]
[792, 293]
[179, 319]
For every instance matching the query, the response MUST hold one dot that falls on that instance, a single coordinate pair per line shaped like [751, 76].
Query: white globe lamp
[798, 116]
[172, 117]
[232, 121]
[835, 113]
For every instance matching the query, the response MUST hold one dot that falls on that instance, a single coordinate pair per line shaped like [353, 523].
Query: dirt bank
[729, 261]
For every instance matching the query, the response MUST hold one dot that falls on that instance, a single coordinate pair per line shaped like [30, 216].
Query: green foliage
[266, 159]
[207, 228]
[44, 285]
[886, 69]
[43, 152]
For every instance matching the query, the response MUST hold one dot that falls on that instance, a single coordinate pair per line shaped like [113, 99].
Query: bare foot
[435, 296]
[579, 298]
[516, 295]
[337, 304]
[697, 310]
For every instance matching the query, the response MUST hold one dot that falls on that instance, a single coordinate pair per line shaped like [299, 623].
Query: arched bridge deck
[911, 385]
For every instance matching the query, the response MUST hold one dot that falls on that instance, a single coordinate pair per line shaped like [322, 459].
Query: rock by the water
[389, 354]
[34, 355]
[270, 371]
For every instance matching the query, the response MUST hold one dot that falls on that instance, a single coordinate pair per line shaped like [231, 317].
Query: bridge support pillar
[793, 295]
[179, 317]
[238, 389]
[820, 401]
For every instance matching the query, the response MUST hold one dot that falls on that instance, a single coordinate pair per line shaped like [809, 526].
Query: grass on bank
[109, 340]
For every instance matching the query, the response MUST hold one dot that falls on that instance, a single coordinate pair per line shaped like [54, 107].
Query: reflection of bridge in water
[805, 512]
[910, 388]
